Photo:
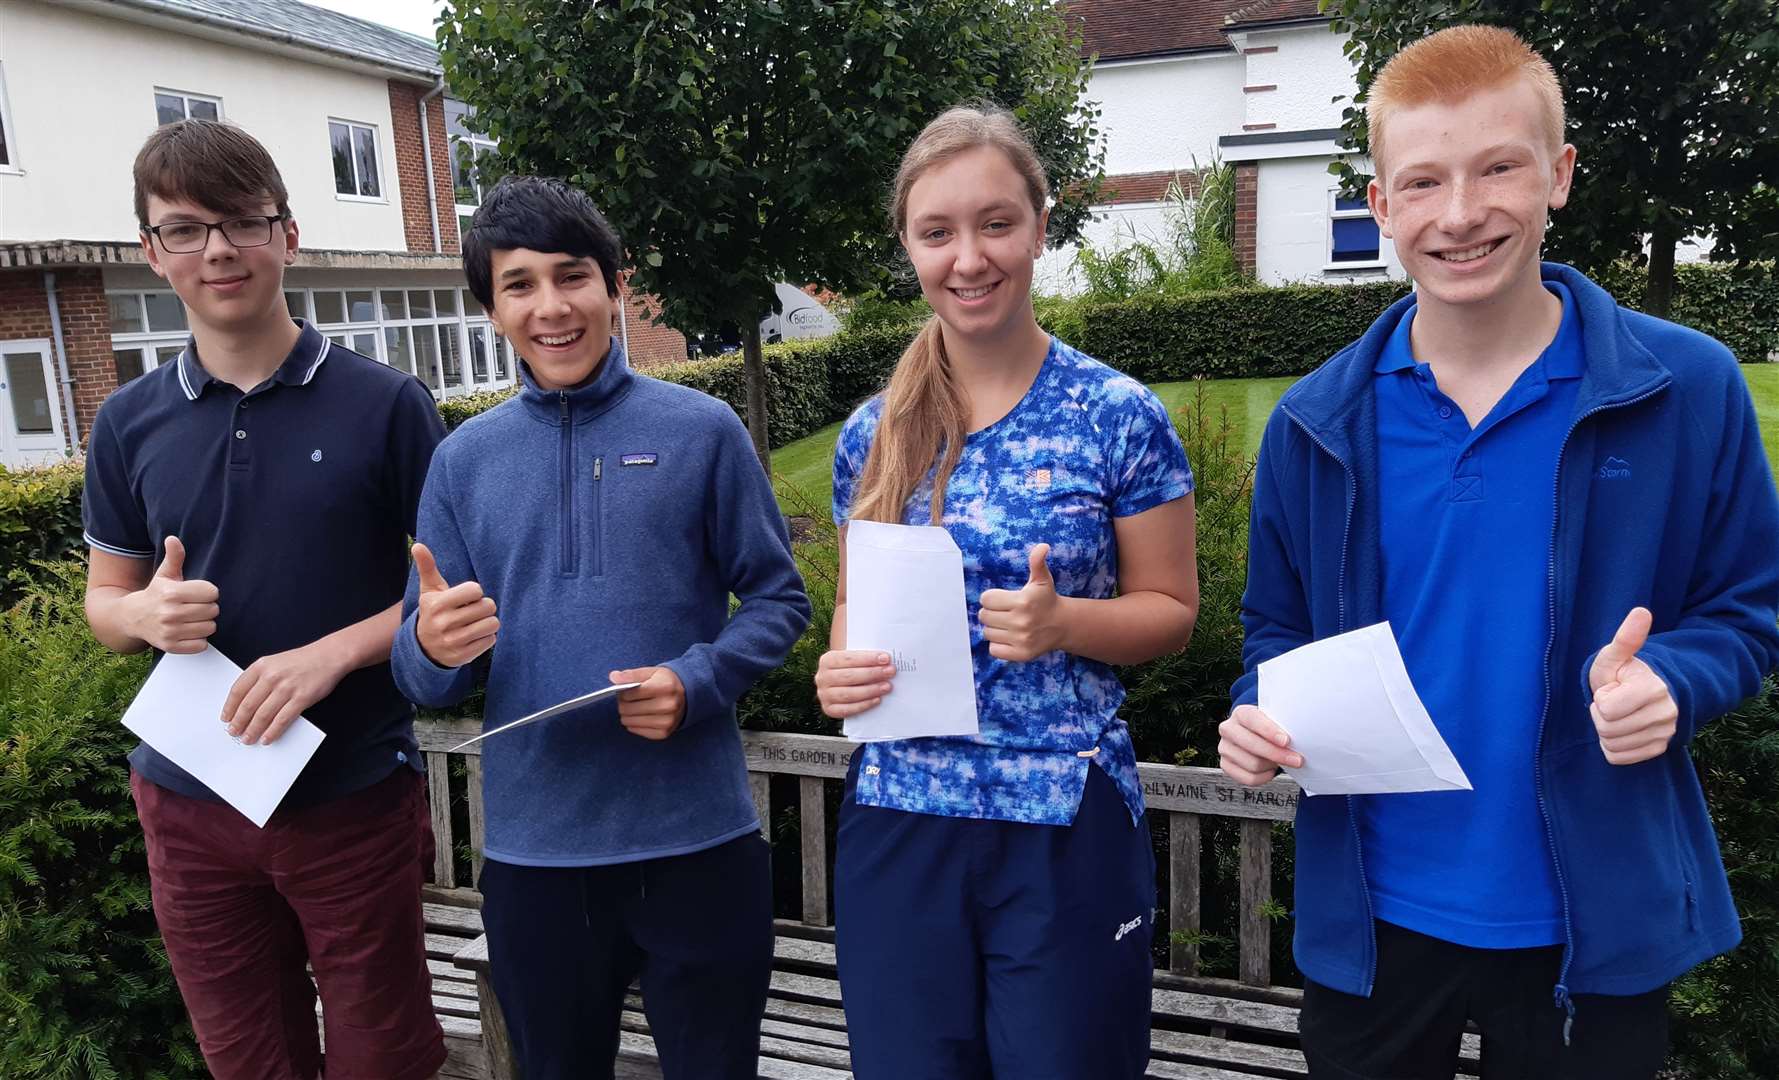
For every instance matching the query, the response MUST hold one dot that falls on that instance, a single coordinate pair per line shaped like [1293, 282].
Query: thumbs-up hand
[1023, 624]
[1633, 711]
[456, 623]
[655, 709]
[173, 614]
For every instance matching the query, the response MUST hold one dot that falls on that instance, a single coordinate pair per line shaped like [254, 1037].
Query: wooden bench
[1203, 1028]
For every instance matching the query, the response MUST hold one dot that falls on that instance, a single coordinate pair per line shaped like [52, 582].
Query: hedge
[39, 519]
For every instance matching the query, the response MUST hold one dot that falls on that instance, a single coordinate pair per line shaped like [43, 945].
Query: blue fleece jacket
[610, 524]
[1663, 499]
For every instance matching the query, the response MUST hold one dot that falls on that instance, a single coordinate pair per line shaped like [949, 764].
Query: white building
[363, 130]
[1254, 84]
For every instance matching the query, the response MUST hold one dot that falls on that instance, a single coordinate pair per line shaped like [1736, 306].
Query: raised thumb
[1040, 574]
[1623, 647]
[430, 578]
[173, 565]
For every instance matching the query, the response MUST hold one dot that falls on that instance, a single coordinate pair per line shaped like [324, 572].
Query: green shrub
[39, 519]
[1740, 309]
[85, 990]
[1250, 332]
[1726, 1011]
[875, 311]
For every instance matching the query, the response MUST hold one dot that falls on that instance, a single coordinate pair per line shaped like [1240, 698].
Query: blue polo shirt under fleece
[295, 500]
[1466, 519]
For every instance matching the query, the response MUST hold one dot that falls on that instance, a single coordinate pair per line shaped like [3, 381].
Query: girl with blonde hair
[994, 893]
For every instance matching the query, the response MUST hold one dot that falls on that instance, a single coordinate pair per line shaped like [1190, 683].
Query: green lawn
[803, 470]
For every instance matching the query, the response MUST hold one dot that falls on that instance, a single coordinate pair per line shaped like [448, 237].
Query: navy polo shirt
[1467, 518]
[295, 500]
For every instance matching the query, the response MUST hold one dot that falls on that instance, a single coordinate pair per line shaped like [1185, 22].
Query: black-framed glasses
[180, 237]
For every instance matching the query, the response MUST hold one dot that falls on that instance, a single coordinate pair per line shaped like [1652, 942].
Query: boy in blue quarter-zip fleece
[1563, 509]
[611, 516]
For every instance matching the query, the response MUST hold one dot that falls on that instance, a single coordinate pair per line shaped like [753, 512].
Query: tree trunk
[1659, 294]
[753, 370]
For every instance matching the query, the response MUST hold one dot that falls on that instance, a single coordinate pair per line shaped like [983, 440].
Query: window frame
[458, 324]
[1335, 213]
[477, 144]
[186, 97]
[147, 343]
[352, 126]
[9, 133]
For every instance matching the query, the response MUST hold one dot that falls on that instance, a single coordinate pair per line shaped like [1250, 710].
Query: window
[1352, 234]
[355, 160]
[468, 152]
[8, 149]
[148, 329]
[171, 105]
[440, 335]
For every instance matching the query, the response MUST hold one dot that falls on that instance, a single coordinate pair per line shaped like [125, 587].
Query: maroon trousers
[336, 886]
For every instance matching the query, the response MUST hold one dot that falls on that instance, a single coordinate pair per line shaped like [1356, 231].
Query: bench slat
[815, 850]
[1184, 846]
[438, 797]
[1254, 931]
[474, 765]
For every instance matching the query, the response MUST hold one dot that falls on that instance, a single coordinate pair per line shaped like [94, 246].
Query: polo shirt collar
[298, 368]
[1561, 359]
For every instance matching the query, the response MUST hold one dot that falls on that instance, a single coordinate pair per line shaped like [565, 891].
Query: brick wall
[1247, 196]
[1146, 187]
[650, 343]
[410, 166]
[86, 330]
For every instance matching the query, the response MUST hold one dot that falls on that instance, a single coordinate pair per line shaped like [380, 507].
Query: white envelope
[1353, 714]
[905, 596]
[178, 711]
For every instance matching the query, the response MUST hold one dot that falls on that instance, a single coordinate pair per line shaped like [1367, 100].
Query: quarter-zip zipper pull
[598, 467]
[1567, 1004]
[562, 396]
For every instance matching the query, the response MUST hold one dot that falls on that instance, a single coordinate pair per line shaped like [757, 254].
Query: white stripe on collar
[190, 394]
[326, 347]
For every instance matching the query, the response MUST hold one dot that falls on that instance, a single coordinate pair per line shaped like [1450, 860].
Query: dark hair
[211, 163]
[544, 214]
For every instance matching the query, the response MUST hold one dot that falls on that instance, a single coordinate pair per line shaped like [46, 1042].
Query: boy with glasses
[276, 477]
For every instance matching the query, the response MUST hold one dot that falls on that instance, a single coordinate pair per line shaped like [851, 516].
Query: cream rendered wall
[1309, 70]
[1292, 230]
[1160, 114]
[80, 91]
[1112, 227]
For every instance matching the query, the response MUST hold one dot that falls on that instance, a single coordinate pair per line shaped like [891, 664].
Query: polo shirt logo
[637, 459]
[1616, 468]
[315, 456]
[1467, 488]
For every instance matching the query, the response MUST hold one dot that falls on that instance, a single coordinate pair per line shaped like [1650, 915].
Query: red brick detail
[1258, 50]
[651, 343]
[410, 165]
[1144, 187]
[1247, 204]
[1259, 88]
[1268, 126]
[1125, 29]
[86, 330]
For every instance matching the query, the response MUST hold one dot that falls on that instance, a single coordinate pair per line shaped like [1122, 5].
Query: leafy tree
[735, 143]
[1671, 108]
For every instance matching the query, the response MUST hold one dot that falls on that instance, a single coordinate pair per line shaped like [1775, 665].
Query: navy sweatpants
[565, 942]
[970, 949]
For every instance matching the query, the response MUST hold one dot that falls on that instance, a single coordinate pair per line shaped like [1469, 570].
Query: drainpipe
[432, 189]
[624, 321]
[55, 324]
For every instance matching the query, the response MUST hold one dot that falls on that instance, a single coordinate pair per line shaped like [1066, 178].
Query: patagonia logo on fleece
[1616, 468]
[637, 459]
